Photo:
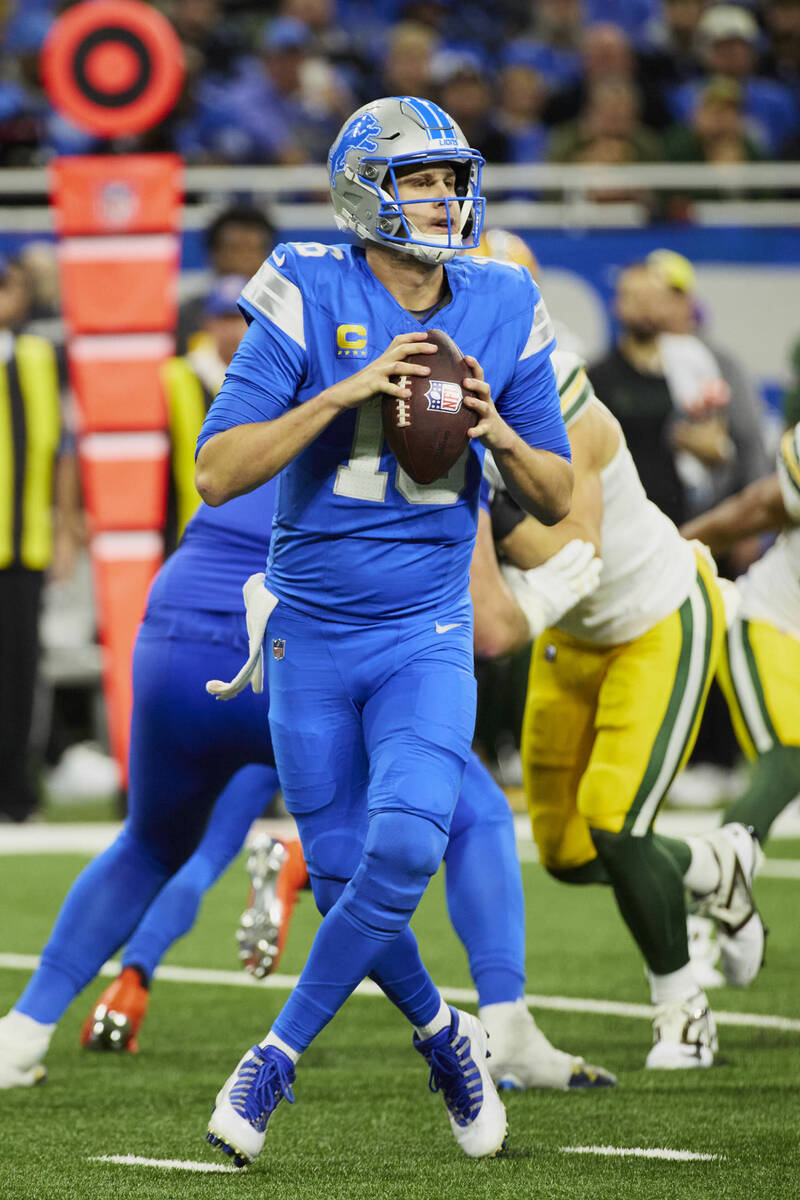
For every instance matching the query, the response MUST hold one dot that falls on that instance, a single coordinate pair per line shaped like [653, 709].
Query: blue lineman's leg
[174, 910]
[184, 748]
[484, 887]
[487, 908]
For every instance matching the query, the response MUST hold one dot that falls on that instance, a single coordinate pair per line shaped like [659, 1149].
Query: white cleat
[23, 1045]
[246, 1101]
[457, 1057]
[684, 1035]
[740, 930]
[704, 952]
[742, 953]
[521, 1057]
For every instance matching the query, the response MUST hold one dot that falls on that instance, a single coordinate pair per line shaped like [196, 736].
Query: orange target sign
[114, 67]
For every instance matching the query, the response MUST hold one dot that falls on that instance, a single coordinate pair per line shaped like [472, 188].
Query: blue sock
[101, 909]
[399, 972]
[484, 887]
[366, 932]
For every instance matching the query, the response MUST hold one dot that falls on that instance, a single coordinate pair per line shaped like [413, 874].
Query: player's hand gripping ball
[427, 431]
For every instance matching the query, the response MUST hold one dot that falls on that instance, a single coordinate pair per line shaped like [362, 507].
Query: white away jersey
[648, 568]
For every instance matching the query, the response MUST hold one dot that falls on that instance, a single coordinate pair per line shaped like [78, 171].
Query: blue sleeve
[532, 406]
[485, 493]
[260, 384]
[530, 401]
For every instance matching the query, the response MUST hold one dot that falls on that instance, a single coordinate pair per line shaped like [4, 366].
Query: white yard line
[177, 1164]
[166, 1164]
[642, 1152]
[284, 983]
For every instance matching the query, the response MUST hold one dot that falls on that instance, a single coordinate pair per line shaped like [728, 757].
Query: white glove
[258, 604]
[547, 592]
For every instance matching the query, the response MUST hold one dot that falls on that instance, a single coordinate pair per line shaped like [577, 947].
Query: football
[427, 431]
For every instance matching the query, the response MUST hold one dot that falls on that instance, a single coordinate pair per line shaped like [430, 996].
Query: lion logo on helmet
[359, 134]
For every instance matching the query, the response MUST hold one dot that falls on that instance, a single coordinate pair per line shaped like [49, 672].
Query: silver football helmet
[379, 138]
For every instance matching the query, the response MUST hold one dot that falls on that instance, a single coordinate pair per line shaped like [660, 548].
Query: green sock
[677, 849]
[774, 783]
[648, 886]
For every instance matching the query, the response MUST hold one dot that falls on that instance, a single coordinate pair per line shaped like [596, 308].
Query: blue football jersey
[220, 548]
[354, 536]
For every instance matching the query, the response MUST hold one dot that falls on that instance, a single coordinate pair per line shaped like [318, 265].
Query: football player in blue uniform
[369, 643]
[487, 908]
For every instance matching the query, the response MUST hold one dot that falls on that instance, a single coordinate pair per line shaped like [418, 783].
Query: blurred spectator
[729, 39]
[669, 55]
[551, 45]
[407, 63]
[348, 47]
[631, 383]
[606, 56]
[633, 16]
[39, 262]
[781, 59]
[744, 413]
[464, 91]
[39, 526]
[30, 132]
[608, 132]
[520, 100]
[289, 102]
[203, 26]
[238, 240]
[717, 129]
[191, 382]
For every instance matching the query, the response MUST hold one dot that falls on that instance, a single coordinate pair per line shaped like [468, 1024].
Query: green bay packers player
[759, 671]
[616, 691]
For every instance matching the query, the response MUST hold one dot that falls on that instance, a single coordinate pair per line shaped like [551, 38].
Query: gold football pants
[607, 728]
[759, 673]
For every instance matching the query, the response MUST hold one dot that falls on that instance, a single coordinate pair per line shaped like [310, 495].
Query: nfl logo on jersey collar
[278, 648]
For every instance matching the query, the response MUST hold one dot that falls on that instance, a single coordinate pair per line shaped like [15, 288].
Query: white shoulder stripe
[541, 333]
[278, 299]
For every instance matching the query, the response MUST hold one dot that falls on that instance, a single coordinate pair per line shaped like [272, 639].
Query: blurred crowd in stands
[568, 81]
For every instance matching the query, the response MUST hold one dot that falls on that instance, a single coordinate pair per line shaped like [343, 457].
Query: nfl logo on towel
[443, 396]
[278, 647]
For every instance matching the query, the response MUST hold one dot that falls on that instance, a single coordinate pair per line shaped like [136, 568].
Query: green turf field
[364, 1125]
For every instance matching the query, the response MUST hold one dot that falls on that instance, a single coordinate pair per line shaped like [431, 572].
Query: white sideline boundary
[455, 995]
[642, 1152]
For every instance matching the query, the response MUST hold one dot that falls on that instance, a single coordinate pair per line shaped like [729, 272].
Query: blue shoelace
[262, 1083]
[455, 1075]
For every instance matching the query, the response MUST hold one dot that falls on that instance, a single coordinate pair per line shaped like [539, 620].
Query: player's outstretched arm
[539, 480]
[239, 459]
[758, 508]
